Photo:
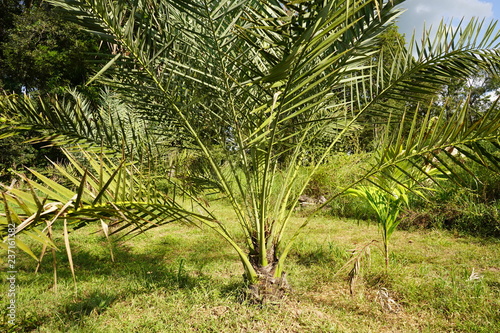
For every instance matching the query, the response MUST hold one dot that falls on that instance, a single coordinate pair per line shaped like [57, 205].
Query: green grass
[183, 279]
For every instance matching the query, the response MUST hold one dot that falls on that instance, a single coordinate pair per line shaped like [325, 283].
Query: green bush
[340, 171]
[472, 208]
[477, 219]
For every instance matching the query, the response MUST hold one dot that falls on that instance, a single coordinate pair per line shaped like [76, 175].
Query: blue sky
[433, 11]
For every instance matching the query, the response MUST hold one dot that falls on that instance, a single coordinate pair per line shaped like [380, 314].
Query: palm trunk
[265, 282]
[386, 253]
[270, 285]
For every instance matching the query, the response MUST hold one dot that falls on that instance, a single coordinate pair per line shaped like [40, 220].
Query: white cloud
[422, 9]
[431, 12]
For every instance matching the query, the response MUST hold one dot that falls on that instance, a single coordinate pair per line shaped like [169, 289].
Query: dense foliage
[39, 53]
[42, 53]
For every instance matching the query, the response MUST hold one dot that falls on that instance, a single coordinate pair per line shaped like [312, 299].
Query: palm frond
[73, 119]
[444, 142]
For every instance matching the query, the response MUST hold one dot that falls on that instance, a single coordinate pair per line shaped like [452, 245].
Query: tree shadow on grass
[94, 303]
[165, 265]
[325, 254]
[148, 270]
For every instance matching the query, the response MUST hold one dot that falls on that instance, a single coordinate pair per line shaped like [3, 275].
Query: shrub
[338, 172]
[471, 209]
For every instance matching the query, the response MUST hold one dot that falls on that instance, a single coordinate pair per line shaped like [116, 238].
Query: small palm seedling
[389, 190]
[387, 207]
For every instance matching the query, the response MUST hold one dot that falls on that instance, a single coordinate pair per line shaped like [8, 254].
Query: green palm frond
[114, 193]
[73, 119]
[444, 142]
[9, 221]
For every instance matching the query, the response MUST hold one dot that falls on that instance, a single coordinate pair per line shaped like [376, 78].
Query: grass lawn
[182, 279]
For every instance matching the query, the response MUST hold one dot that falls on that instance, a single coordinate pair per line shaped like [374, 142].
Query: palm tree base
[268, 289]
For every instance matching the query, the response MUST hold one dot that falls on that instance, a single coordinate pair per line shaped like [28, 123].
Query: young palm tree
[388, 191]
[256, 81]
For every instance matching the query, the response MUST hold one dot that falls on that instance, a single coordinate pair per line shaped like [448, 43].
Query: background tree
[480, 90]
[39, 53]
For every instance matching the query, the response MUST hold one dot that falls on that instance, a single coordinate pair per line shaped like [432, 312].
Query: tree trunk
[268, 287]
[386, 254]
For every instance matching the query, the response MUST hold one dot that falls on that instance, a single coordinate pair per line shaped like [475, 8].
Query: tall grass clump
[471, 208]
[336, 174]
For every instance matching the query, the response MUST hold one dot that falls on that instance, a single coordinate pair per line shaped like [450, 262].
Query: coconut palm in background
[247, 86]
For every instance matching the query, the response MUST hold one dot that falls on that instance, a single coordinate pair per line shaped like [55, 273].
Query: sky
[431, 12]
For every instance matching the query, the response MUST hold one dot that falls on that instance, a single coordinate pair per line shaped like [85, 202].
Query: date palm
[258, 82]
